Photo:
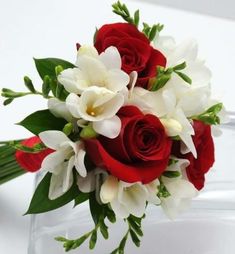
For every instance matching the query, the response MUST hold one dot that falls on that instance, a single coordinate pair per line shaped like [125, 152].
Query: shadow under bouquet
[128, 125]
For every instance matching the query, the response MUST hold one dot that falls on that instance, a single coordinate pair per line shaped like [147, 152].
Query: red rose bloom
[140, 152]
[31, 161]
[136, 52]
[205, 155]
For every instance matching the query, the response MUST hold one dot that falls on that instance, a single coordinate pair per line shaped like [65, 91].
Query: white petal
[109, 189]
[68, 176]
[72, 103]
[73, 80]
[111, 58]
[134, 198]
[87, 50]
[80, 163]
[87, 184]
[116, 80]
[52, 161]
[53, 139]
[98, 103]
[93, 69]
[56, 186]
[133, 78]
[109, 128]
[61, 182]
[119, 209]
[58, 108]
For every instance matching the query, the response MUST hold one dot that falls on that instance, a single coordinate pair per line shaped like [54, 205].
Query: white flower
[99, 106]
[192, 99]
[60, 163]
[180, 189]
[58, 108]
[128, 198]
[102, 70]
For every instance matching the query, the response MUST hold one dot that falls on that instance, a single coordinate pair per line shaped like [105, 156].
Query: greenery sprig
[164, 75]
[210, 116]
[122, 10]
[150, 31]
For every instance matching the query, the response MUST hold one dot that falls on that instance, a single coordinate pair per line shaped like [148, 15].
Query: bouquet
[129, 124]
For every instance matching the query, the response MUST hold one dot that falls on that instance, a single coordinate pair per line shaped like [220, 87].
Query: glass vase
[207, 228]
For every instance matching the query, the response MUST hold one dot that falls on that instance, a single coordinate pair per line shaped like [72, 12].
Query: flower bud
[172, 126]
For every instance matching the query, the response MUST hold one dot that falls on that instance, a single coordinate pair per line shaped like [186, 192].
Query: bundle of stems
[9, 168]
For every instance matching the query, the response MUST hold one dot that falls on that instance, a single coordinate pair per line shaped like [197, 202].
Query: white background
[51, 29]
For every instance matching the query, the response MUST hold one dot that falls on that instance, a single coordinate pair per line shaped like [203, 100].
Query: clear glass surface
[207, 228]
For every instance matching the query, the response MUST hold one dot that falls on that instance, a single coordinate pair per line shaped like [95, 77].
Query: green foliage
[122, 10]
[164, 75]
[9, 168]
[210, 116]
[162, 191]
[47, 66]
[171, 174]
[42, 120]
[41, 203]
[152, 31]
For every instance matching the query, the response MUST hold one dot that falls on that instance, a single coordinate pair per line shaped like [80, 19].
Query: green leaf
[46, 86]
[134, 225]
[215, 108]
[95, 208]
[93, 240]
[180, 67]
[137, 18]
[171, 174]
[42, 120]
[81, 197]
[186, 78]
[40, 202]
[135, 238]
[104, 229]
[46, 66]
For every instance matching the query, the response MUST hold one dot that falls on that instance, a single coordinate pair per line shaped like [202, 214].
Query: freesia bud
[109, 189]
[172, 126]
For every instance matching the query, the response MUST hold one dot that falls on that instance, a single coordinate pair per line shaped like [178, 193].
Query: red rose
[31, 161]
[140, 152]
[205, 155]
[134, 48]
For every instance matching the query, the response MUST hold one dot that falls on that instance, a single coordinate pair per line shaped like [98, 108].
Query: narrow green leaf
[95, 208]
[180, 67]
[93, 240]
[135, 238]
[81, 197]
[186, 78]
[40, 202]
[46, 66]
[171, 174]
[153, 33]
[135, 227]
[42, 120]
[104, 229]
[137, 18]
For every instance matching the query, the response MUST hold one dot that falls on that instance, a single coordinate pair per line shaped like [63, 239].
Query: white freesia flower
[60, 163]
[180, 189]
[102, 70]
[58, 108]
[99, 106]
[128, 198]
[192, 99]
